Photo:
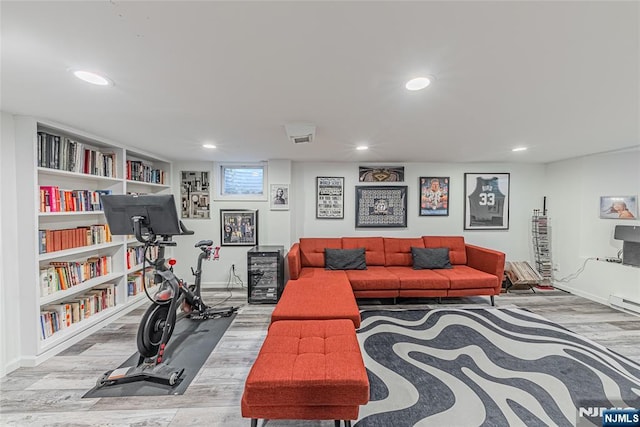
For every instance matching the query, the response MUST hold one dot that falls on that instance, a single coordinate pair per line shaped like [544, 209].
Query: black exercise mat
[190, 345]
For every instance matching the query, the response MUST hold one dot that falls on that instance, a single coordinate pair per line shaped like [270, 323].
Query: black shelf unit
[265, 268]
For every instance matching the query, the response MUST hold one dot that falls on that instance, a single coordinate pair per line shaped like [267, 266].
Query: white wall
[526, 194]
[578, 233]
[9, 233]
[274, 227]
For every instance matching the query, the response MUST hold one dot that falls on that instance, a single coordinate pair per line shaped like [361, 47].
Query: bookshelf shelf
[56, 158]
[132, 183]
[83, 176]
[70, 213]
[78, 251]
[77, 289]
[135, 268]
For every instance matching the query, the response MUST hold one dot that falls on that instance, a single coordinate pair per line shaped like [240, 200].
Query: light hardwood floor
[51, 393]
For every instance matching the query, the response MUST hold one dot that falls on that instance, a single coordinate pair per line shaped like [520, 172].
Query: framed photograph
[434, 195]
[381, 206]
[486, 201]
[239, 227]
[194, 195]
[329, 197]
[279, 197]
[618, 207]
[381, 174]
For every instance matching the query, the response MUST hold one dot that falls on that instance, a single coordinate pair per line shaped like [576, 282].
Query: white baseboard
[581, 293]
[9, 367]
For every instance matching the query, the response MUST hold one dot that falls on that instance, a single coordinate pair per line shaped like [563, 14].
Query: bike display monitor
[158, 211]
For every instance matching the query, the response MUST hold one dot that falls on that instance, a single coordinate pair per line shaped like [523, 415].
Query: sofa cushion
[374, 278]
[463, 277]
[312, 249]
[430, 258]
[397, 251]
[457, 249]
[419, 279]
[344, 259]
[374, 248]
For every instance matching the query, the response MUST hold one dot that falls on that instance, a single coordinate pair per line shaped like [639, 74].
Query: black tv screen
[158, 210]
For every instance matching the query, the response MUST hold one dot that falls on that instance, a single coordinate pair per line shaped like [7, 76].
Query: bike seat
[204, 243]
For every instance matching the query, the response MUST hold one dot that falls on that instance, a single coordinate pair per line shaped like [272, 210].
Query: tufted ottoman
[307, 370]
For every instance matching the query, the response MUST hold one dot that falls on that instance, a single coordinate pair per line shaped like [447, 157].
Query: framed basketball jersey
[486, 204]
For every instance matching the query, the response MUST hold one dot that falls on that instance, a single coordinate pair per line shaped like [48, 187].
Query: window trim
[219, 167]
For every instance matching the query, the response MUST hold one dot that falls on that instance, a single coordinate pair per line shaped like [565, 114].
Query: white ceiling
[559, 77]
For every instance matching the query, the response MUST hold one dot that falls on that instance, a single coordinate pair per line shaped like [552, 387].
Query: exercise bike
[159, 320]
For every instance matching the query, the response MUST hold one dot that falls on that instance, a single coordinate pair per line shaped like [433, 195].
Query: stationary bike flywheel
[151, 328]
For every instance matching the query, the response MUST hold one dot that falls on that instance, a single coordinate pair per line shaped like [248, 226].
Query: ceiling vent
[300, 133]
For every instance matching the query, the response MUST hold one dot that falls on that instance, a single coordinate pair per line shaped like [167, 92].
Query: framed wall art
[434, 196]
[486, 201]
[381, 206]
[279, 197]
[618, 207]
[194, 195]
[239, 227]
[381, 174]
[329, 197]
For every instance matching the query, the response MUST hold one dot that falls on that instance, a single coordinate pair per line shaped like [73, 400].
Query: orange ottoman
[307, 370]
[315, 299]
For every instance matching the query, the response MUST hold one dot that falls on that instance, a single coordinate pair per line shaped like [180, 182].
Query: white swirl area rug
[487, 367]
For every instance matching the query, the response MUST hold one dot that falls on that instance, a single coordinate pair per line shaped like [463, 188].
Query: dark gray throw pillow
[430, 258]
[344, 259]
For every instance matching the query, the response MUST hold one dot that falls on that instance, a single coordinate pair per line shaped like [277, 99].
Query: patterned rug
[487, 367]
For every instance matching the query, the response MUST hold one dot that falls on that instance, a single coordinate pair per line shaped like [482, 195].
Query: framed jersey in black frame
[486, 201]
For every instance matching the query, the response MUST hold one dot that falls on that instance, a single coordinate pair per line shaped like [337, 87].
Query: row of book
[54, 199]
[57, 317]
[62, 275]
[140, 171]
[68, 238]
[135, 282]
[136, 254]
[62, 153]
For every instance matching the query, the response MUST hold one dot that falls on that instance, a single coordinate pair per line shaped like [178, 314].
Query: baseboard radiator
[625, 304]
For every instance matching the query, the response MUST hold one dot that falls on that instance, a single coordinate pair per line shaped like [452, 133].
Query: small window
[241, 182]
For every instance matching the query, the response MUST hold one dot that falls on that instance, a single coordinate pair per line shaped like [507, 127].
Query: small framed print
[486, 202]
[330, 197]
[279, 197]
[618, 207]
[381, 206]
[381, 174]
[434, 195]
[239, 227]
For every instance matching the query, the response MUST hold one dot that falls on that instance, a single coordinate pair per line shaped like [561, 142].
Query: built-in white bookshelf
[64, 234]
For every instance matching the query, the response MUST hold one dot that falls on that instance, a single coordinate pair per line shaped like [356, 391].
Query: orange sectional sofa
[389, 268]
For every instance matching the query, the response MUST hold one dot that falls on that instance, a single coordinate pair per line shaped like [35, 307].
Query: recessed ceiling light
[209, 146]
[519, 149]
[93, 78]
[362, 147]
[418, 83]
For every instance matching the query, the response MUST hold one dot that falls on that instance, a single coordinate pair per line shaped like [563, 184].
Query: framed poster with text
[330, 197]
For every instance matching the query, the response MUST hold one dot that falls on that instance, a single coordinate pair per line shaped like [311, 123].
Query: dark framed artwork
[486, 201]
[381, 206]
[239, 227]
[618, 207]
[381, 174]
[194, 194]
[434, 195]
[330, 197]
